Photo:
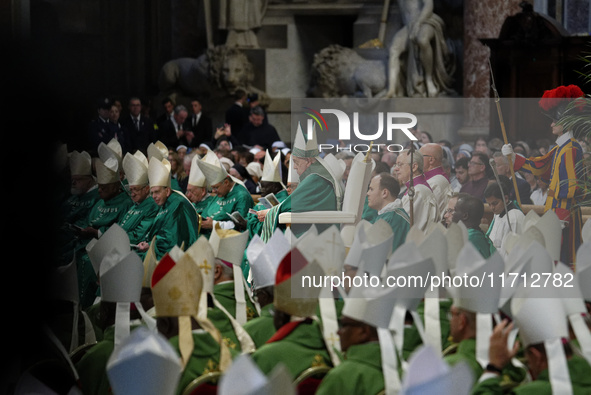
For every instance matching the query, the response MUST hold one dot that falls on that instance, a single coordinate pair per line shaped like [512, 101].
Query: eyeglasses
[475, 163]
[450, 211]
[399, 164]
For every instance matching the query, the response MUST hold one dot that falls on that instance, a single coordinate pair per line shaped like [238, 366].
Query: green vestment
[399, 221]
[202, 205]
[92, 367]
[315, 192]
[255, 227]
[360, 372]
[466, 352]
[220, 320]
[299, 350]
[139, 219]
[224, 293]
[481, 242]
[76, 208]
[204, 359]
[238, 199]
[104, 214]
[412, 338]
[261, 328]
[176, 223]
[580, 376]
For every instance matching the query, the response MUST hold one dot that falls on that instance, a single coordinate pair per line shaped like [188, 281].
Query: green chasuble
[202, 205]
[580, 377]
[398, 220]
[220, 320]
[255, 227]
[224, 293]
[360, 372]
[481, 242]
[101, 217]
[298, 348]
[412, 338]
[315, 192]
[466, 352]
[238, 199]
[204, 359]
[76, 208]
[104, 214]
[139, 219]
[261, 328]
[176, 223]
[92, 367]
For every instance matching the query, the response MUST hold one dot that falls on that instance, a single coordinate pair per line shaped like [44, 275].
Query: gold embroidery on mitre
[205, 266]
[175, 293]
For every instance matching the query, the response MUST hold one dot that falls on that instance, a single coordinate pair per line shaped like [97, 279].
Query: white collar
[564, 138]
[390, 206]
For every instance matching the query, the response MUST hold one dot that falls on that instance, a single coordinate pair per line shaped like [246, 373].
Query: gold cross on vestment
[205, 267]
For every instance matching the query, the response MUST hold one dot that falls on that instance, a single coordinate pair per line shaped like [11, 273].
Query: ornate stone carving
[338, 71]
[219, 72]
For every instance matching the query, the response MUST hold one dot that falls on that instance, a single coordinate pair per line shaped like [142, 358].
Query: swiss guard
[560, 166]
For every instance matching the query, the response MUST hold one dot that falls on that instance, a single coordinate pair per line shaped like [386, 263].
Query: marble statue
[420, 64]
[219, 72]
[341, 72]
[240, 18]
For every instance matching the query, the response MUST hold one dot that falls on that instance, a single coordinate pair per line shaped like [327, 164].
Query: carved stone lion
[341, 72]
[220, 71]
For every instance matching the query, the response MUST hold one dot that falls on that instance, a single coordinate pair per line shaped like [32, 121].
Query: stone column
[482, 19]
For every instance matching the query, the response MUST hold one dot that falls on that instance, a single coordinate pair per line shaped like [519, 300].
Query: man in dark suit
[168, 107]
[138, 128]
[199, 124]
[171, 132]
[237, 114]
[257, 133]
[99, 129]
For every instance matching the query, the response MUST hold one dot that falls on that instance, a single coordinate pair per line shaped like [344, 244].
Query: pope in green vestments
[317, 190]
[359, 373]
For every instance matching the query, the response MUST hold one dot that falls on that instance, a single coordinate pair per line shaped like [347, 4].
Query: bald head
[432, 156]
